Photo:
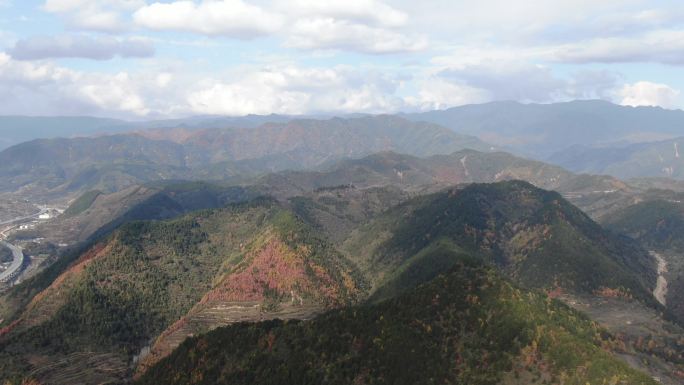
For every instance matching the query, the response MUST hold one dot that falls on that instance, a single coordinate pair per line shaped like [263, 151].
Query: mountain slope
[535, 236]
[652, 159]
[656, 223]
[467, 326]
[659, 225]
[159, 279]
[136, 295]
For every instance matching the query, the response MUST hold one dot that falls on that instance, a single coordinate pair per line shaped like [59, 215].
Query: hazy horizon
[328, 115]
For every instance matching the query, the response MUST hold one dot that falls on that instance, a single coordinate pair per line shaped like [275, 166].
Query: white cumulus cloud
[115, 93]
[369, 12]
[293, 90]
[94, 15]
[329, 33]
[233, 18]
[39, 88]
[648, 94]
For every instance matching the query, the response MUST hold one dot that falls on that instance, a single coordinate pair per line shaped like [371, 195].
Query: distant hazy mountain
[17, 129]
[308, 142]
[654, 159]
[109, 163]
[539, 130]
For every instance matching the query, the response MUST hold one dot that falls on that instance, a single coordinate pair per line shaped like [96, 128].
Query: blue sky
[140, 59]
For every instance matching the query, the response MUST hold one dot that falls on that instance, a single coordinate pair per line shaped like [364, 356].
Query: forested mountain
[132, 297]
[171, 279]
[174, 233]
[536, 237]
[657, 222]
[467, 326]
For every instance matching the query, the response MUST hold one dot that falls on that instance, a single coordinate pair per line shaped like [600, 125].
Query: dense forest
[468, 326]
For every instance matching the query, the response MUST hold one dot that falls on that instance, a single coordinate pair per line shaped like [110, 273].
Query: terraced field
[80, 368]
[207, 318]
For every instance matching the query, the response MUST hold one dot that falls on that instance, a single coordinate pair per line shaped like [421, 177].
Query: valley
[21, 264]
[11, 272]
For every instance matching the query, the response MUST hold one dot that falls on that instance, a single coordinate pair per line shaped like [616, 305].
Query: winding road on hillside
[14, 268]
[18, 255]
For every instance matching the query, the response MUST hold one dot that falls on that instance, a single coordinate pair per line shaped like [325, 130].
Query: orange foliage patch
[607, 292]
[278, 269]
[556, 292]
[8, 328]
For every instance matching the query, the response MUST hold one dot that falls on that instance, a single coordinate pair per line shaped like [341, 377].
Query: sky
[137, 59]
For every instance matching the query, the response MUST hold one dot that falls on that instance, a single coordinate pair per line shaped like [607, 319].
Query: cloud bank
[182, 57]
[96, 48]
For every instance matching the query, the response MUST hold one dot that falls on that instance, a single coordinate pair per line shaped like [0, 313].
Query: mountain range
[554, 132]
[349, 250]
[164, 281]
